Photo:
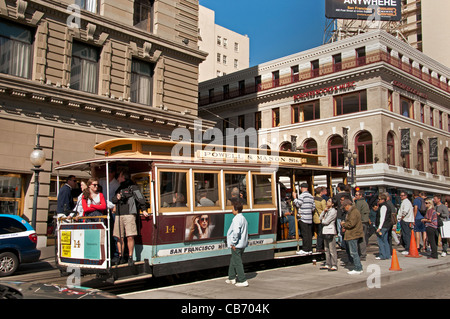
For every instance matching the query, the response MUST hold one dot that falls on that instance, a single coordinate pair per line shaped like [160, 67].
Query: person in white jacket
[237, 240]
[406, 217]
[328, 220]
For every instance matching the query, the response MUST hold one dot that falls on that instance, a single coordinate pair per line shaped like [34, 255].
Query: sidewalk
[301, 281]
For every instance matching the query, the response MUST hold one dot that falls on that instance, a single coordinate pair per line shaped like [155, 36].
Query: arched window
[310, 146]
[336, 151]
[420, 163]
[390, 158]
[364, 150]
[446, 164]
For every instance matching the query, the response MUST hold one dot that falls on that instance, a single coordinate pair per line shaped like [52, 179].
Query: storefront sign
[405, 141]
[433, 149]
[323, 91]
[409, 89]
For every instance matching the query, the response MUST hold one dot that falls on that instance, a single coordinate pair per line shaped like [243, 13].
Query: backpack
[423, 207]
[394, 218]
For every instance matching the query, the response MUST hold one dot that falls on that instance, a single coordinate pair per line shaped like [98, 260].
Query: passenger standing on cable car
[65, 203]
[237, 240]
[129, 201]
[306, 205]
[94, 204]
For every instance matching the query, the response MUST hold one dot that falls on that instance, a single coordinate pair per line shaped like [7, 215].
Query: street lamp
[37, 159]
[351, 161]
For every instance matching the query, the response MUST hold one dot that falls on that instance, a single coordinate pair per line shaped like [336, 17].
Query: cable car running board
[292, 254]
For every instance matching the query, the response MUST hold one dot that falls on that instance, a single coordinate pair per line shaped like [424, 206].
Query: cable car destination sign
[217, 156]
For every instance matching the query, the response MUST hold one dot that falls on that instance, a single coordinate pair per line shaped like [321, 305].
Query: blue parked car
[17, 244]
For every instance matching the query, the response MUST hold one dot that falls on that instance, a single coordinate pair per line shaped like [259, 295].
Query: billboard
[380, 10]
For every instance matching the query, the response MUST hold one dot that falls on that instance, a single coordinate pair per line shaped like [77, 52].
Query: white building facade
[392, 100]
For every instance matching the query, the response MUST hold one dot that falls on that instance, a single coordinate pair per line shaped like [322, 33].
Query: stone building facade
[371, 94]
[80, 73]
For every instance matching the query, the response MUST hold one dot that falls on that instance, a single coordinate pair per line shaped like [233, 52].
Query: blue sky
[275, 28]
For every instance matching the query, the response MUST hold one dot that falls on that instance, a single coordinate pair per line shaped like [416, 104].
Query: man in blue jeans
[384, 226]
[353, 232]
[237, 240]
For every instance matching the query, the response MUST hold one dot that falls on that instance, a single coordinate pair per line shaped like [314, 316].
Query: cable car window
[262, 189]
[173, 189]
[236, 188]
[206, 189]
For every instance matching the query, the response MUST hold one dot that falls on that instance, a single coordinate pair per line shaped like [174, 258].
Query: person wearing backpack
[419, 213]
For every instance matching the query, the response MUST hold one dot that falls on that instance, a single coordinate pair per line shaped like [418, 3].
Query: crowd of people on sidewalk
[347, 221]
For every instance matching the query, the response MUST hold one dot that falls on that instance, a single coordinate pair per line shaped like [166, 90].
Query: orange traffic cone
[394, 265]
[413, 252]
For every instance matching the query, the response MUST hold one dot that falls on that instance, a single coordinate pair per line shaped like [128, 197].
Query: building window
[236, 47]
[143, 14]
[241, 121]
[337, 62]
[390, 101]
[295, 73]
[306, 112]
[336, 151]
[361, 56]
[226, 91]
[12, 193]
[224, 60]
[15, 50]
[211, 95]
[390, 159]
[219, 57]
[431, 116]
[275, 79]
[364, 150]
[315, 68]
[310, 146]
[219, 40]
[258, 120]
[258, 83]
[420, 161]
[406, 107]
[406, 163]
[84, 71]
[350, 103]
[440, 120]
[236, 63]
[225, 43]
[89, 5]
[446, 163]
[422, 113]
[276, 117]
[241, 86]
[141, 82]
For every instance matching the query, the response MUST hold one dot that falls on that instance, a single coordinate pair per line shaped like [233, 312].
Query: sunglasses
[95, 185]
[204, 219]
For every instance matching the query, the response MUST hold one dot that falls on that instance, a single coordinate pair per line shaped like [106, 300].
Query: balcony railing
[338, 67]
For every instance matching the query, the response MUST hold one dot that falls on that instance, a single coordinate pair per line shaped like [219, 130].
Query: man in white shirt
[406, 217]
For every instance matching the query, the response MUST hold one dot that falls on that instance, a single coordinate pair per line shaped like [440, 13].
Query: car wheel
[8, 264]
